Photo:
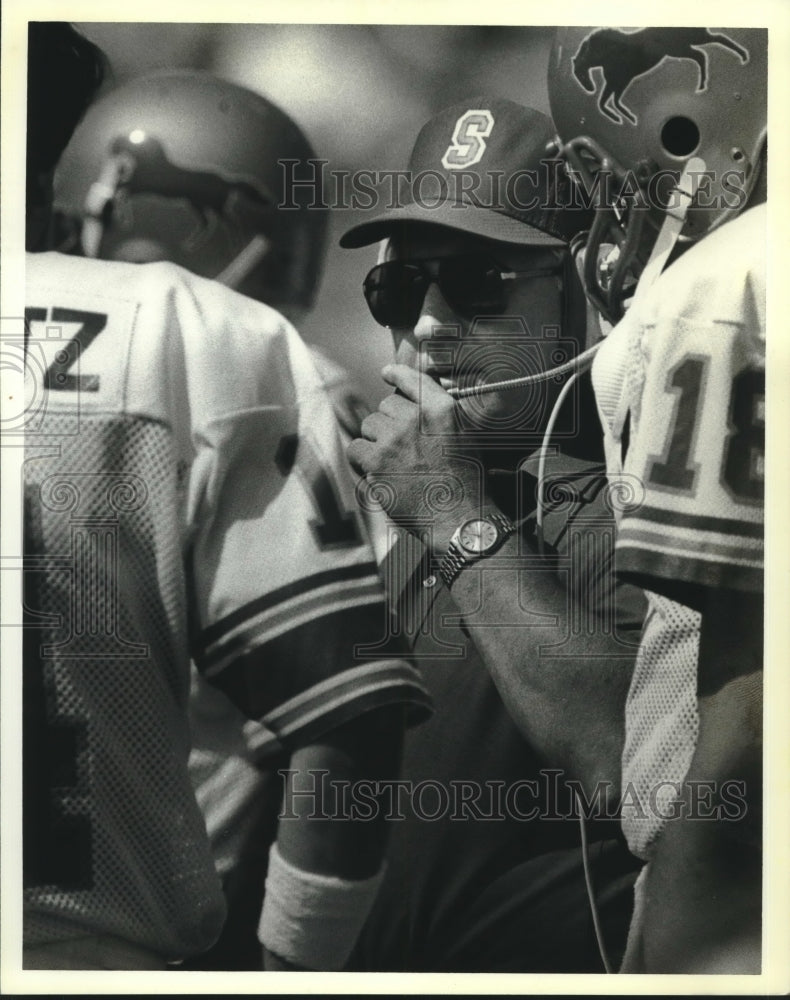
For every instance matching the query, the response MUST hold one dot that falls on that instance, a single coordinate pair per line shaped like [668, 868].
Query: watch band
[451, 565]
[456, 559]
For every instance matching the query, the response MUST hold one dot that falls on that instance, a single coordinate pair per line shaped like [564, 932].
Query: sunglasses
[471, 284]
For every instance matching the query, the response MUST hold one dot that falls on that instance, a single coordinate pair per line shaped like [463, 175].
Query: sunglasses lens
[472, 285]
[395, 292]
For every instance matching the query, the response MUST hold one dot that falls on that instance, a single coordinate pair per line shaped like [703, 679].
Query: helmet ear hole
[680, 136]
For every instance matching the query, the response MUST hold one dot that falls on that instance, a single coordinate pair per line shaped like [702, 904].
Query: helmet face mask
[618, 242]
[632, 108]
[185, 167]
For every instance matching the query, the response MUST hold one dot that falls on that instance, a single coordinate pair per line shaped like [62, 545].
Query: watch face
[478, 536]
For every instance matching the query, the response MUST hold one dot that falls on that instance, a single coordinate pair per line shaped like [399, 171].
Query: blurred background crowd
[361, 94]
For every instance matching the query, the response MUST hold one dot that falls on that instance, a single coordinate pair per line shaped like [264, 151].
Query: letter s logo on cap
[468, 144]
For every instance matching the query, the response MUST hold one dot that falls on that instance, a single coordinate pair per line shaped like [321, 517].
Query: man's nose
[435, 313]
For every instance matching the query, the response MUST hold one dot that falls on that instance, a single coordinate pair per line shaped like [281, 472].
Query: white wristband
[313, 920]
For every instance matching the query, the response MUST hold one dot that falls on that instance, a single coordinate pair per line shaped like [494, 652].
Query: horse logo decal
[622, 61]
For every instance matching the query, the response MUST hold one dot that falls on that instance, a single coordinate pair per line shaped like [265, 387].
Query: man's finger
[373, 426]
[396, 406]
[360, 455]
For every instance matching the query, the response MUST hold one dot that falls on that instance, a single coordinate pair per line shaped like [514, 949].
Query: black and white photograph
[384, 538]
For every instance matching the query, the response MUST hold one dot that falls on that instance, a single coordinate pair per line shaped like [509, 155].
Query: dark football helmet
[186, 167]
[632, 108]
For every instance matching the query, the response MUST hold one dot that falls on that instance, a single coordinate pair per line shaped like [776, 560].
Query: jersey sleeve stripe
[306, 731]
[364, 676]
[649, 569]
[718, 525]
[276, 622]
[346, 696]
[259, 739]
[318, 658]
[694, 548]
[214, 632]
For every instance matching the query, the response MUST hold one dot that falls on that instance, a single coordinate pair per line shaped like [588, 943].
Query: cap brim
[462, 217]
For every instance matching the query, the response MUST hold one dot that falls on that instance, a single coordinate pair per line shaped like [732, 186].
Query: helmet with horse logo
[633, 108]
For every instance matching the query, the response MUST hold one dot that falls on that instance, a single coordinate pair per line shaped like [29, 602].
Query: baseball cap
[482, 167]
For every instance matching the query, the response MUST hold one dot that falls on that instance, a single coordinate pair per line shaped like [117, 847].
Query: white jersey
[681, 382]
[185, 495]
[230, 762]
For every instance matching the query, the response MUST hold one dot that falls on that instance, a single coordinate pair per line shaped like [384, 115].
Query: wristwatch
[472, 540]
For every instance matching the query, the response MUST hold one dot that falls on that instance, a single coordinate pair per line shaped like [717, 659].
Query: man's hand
[407, 456]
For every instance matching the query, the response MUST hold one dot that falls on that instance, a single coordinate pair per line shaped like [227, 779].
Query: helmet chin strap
[115, 170]
[244, 262]
[674, 220]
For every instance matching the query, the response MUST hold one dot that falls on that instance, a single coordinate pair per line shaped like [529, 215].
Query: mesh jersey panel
[113, 836]
[661, 720]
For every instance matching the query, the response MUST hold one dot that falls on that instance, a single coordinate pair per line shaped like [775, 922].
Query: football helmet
[634, 108]
[186, 167]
